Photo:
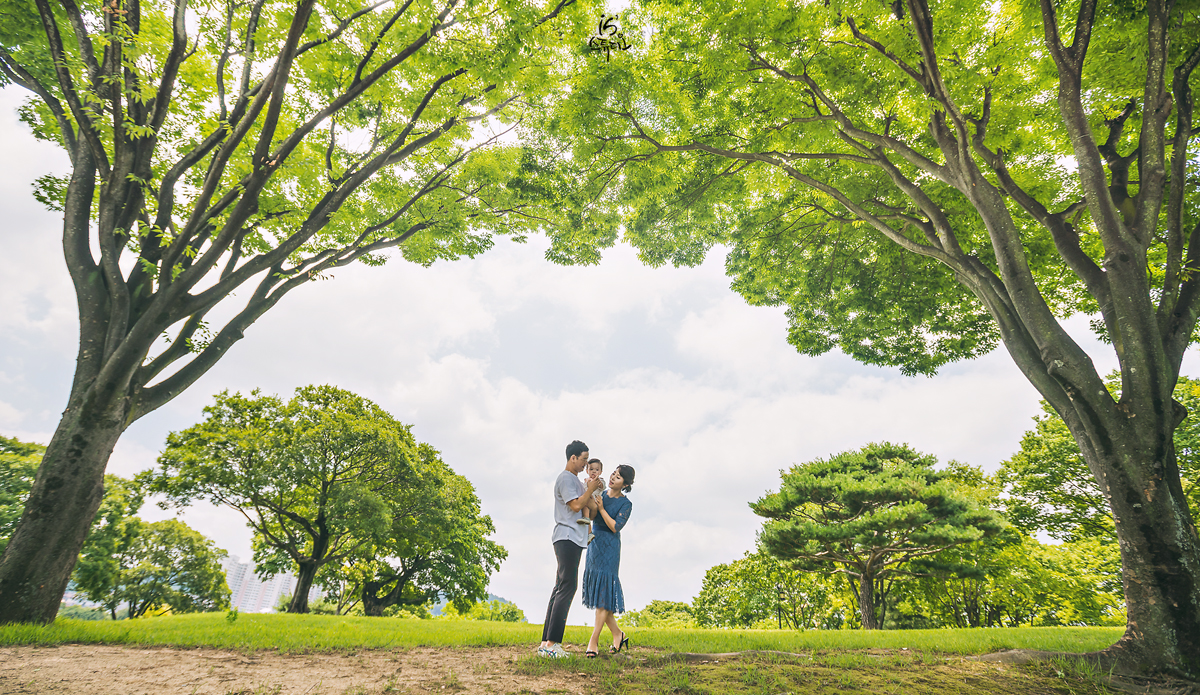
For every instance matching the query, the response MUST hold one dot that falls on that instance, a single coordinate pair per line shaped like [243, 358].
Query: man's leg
[565, 584]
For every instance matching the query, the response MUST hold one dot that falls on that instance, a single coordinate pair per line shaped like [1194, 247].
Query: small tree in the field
[868, 514]
[169, 564]
[759, 589]
[310, 475]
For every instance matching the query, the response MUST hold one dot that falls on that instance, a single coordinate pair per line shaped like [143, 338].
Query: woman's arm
[610, 522]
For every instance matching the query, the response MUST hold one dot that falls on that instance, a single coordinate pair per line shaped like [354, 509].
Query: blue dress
[601, 585]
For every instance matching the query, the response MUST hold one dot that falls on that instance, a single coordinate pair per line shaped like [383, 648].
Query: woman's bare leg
[613, 629]
[601, 618]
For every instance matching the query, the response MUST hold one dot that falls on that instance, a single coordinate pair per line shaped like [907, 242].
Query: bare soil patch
[130, 670]
[119, 670]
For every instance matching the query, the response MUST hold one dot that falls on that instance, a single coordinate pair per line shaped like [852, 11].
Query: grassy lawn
[848, 673]
[306, 633]
[913, 662]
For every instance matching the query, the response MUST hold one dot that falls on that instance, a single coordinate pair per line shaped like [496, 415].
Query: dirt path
[116, 670]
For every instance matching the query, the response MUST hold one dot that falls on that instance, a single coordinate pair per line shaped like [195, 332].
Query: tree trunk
[374, 604]
[66, 494]
[866, 602]
[1160, 553]
[304, 582]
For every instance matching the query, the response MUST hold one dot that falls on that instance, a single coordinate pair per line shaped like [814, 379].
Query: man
[569, 538]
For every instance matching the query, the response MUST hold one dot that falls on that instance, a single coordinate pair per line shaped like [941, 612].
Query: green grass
[307, 633]
[821, 673]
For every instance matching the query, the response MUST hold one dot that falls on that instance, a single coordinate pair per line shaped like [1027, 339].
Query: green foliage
[661, 614]
[311, 475]
[18, 465]
[868, 514]
[108, 550]
[153, 567]
[760, 591]
[1012, 580]
[437, 546]
[291, 633]
[172, 566]
[495, 610]
[1050, 488]
[332, 485]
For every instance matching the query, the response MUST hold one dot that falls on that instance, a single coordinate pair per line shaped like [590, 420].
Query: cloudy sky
[502, 360]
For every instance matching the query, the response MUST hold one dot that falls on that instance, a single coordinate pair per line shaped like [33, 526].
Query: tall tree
[250, 148]
[312, 476]
[919, 181]
[869, 514]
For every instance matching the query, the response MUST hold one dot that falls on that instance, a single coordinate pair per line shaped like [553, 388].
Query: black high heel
[624, 643]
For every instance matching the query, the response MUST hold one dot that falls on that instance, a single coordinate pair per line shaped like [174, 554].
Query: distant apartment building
[249, 594]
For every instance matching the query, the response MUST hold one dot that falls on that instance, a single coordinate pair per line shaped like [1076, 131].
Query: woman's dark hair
[626, 473]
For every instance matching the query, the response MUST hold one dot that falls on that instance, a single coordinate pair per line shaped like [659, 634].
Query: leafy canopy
[800, 136]
[310, 475]
[869, 514]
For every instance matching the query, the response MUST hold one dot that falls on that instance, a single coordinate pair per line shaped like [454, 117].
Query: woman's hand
[608, 520]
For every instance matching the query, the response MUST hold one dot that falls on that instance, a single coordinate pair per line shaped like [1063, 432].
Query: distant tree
[109, 546]
[1051, 489]
[18, 465]
[437, 545]
[868, 514]
[760, 590]
[494, 610]
[311, 476]
[80, 613]
[341, 584]
[662, 614]
[172, 565]
[160, 565]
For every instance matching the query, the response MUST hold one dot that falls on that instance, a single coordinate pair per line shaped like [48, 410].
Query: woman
[601, 585]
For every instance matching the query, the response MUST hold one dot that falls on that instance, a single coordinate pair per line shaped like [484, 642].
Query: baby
[594, 468]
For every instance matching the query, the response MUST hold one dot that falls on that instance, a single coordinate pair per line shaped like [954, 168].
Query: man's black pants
[566, 581]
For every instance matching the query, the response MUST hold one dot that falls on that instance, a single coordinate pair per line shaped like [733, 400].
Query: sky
[500, 361]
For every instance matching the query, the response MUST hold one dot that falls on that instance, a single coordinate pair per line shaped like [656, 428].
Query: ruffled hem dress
[601, 583]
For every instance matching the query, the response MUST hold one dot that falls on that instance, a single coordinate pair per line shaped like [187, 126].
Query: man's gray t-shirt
[566, 524]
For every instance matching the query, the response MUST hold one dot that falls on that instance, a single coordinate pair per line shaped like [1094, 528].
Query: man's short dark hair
[576, 448]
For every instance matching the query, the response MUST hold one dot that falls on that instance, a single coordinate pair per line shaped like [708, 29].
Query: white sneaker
[555, 652]
[581, 520]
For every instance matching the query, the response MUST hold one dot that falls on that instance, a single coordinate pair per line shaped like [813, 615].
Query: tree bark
[304, 582]
[866, 602]
[62, 503]
[1160, 553]
[374, 604]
